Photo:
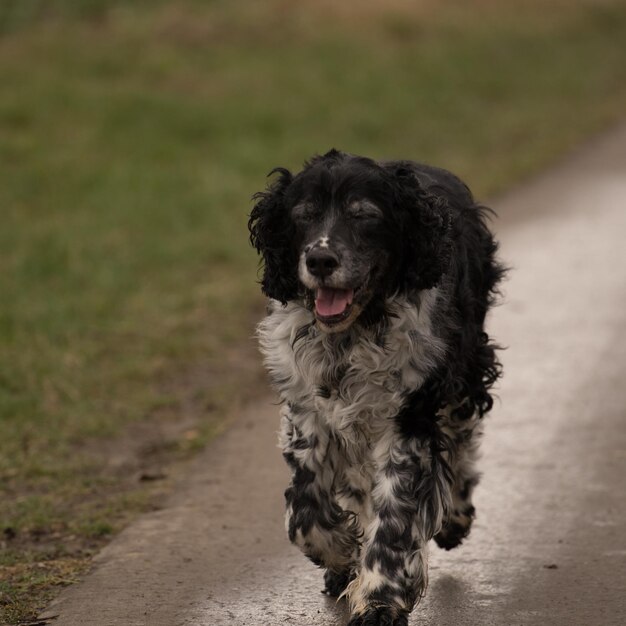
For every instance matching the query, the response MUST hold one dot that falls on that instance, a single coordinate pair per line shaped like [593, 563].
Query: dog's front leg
[315, 522]
[411, 496]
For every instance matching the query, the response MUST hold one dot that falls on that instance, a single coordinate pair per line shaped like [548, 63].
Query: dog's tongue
[332, 301]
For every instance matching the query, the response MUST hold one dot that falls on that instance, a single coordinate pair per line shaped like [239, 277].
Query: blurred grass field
[132, 135]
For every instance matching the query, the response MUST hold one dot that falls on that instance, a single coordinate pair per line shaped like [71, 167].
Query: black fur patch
[380, 616]
[335, 583]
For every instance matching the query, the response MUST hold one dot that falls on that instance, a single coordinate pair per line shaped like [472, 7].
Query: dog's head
[347, 232]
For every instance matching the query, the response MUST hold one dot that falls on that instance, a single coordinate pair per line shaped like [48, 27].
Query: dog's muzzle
[321, 263]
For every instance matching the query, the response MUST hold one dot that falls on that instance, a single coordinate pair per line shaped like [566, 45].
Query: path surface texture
[549, 542]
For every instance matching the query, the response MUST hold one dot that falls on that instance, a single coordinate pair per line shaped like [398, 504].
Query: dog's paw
[455, 530]
[451, 536]
[380, 616]
[334, 583]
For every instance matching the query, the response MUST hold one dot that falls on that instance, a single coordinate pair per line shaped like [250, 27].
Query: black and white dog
[379, 276]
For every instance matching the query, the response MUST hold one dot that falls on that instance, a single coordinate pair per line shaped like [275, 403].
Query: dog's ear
[272, 234]
[425, 222]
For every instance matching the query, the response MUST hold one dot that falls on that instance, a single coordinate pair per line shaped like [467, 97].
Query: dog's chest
[351, 383]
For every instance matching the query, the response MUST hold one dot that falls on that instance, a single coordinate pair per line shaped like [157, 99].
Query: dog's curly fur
[382, 398]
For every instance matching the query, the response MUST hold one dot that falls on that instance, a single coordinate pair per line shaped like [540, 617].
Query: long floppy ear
[272, 234]
[425, 220]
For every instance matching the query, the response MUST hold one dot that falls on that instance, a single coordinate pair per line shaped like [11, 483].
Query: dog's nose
[321, 263]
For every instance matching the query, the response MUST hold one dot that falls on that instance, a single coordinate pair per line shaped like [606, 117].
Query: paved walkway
[549, 544]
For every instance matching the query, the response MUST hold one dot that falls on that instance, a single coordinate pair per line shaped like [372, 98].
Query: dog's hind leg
[466, 434]
[315, 522]
[411, 498]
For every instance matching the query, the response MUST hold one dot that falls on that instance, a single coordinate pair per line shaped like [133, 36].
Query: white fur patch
[367, 382]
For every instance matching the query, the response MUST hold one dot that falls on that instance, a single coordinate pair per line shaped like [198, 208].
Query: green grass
[132, 137]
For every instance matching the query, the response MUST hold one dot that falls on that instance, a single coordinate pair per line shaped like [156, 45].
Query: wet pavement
[549, 542]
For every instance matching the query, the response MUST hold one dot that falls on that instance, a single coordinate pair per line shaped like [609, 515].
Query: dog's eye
[305, 218]
[362, 212]
[304, 213]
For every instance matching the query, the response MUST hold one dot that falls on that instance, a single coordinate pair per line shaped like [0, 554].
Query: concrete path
[549, 544]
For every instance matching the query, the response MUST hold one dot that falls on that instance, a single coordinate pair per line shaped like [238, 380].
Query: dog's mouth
[336, 309]
[333, 305]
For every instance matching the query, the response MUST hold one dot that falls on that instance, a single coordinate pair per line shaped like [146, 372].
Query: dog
[379, 276]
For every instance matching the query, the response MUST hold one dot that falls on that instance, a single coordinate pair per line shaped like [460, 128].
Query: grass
[133, 135]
